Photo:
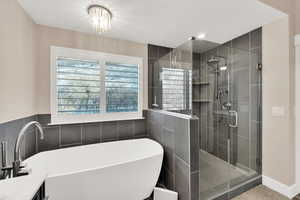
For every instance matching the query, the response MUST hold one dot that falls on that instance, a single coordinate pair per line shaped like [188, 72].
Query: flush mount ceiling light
[100, 18]
[201, 36]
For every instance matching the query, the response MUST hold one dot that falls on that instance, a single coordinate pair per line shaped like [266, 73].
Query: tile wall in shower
[243, 54]
[154, 54]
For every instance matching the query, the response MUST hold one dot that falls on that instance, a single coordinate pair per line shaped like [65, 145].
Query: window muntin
[89, 86]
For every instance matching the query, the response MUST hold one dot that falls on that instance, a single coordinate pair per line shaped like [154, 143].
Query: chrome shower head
[213, 60]
[215, 63]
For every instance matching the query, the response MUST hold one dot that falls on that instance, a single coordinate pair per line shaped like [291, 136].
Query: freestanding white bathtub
[122, 170]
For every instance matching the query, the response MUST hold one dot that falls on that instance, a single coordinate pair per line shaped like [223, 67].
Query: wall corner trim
[297, 40]
[288, 191]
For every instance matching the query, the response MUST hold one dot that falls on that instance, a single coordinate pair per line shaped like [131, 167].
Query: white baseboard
[288, 191]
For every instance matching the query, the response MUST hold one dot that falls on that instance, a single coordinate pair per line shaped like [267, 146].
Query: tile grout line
[59, 136]
[100, 132]
[81, 134]
[133, 129]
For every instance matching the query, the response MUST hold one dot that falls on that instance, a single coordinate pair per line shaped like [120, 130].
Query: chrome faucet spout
[17, 154]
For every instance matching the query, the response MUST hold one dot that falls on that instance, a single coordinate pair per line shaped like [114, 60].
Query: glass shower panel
[182, 59]
[163, 63]
[174, 85]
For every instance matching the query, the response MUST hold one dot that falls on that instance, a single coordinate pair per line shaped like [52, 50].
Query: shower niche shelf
[200, 83]
[201, 101]
[222, 112]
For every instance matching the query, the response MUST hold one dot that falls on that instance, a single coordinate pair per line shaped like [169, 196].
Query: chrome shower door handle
[236, 116]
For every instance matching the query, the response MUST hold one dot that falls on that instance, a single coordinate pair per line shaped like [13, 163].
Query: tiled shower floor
[217, 176]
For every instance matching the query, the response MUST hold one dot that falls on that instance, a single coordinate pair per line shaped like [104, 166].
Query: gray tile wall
[244, 53]
[80, 134]
[154, 53]
[68, 135]
[9, 132]
[179, 137]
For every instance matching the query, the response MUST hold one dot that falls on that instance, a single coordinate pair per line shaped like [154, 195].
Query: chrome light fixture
[100, 18]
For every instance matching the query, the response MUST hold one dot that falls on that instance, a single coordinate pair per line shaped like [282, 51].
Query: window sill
[179, 115]
[94, 121]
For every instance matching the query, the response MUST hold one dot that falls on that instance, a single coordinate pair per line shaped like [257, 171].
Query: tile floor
[261, 193]
[216, 174]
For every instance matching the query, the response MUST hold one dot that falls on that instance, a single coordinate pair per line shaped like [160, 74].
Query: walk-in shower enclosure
[221, 85]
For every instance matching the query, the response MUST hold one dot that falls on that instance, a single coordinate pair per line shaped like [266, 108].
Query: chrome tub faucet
[17, 163]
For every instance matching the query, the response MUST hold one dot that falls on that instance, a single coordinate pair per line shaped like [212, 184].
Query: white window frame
[102, 58]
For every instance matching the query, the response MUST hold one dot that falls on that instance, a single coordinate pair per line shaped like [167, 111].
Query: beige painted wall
[297, 106]
[297, 17]
[286, 6]
[47, 36]
[17, 66]
[279, 91]
[25, 60]
[278, 156]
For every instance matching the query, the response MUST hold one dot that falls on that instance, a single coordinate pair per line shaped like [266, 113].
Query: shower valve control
[236, 118]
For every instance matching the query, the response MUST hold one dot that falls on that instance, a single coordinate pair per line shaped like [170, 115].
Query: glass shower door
[215, 168]
[243, 116]
[230, 124]
[226, 96]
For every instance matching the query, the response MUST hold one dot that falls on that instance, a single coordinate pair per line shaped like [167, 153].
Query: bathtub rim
[88, 169]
